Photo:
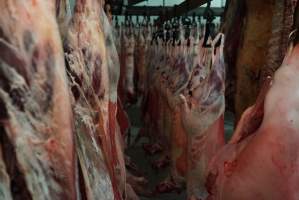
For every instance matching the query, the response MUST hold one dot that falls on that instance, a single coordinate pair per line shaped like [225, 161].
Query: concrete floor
[144, 161]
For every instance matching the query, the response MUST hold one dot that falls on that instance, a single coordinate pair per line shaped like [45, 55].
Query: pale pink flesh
[264, 165]
[203, 111]
[93, 84]
[36, 122]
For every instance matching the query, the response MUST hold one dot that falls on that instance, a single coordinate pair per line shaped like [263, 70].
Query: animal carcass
[37, 144]
[88, 61]
[203, 115]
[261, 160]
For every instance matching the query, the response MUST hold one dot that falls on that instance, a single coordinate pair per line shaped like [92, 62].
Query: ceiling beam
[182, 8]
[146, 10]
[157, 10]
[133, 2]
[118, 5]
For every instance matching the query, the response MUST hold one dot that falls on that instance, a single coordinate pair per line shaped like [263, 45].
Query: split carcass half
[174, 79]
[37, 144]
[129, 45]
[203, 111]
[115, 131]
[93, 84]
[178, 80]
[139, 62]
[261, 160]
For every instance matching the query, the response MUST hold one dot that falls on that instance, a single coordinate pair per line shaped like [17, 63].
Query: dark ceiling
[122, 7]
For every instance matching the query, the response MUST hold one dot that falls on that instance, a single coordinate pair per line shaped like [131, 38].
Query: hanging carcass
[90, 56]
[261, 159]
[203, 115]
[37, 143]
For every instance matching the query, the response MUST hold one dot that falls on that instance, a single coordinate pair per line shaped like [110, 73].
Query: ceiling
[171, 9]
